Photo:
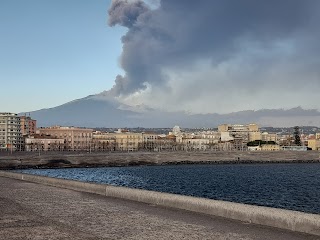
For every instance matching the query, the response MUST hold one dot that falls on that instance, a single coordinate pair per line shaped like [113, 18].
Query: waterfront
[288, 186]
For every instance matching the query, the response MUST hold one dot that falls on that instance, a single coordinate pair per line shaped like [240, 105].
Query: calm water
[289, 186]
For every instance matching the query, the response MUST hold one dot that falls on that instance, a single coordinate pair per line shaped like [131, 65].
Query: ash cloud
[243, 54]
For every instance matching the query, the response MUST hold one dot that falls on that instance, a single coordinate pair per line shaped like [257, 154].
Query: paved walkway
[34, 211]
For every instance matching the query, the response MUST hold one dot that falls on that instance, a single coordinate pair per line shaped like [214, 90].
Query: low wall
[74, 159]
[279, 218]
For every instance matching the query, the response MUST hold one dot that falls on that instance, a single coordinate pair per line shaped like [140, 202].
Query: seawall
[279, 218]
[75, 159]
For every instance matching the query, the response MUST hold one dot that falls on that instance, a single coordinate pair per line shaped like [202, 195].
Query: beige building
[43, 143]
[239, 133]
[103, 142]
[195, 144]
[267, 137]
[253, 136]
[127, 141]
[10, 132]
[252, 127]
[75, 139]
[265, 147]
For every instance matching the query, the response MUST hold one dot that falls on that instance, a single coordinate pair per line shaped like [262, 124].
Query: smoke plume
[219, 55]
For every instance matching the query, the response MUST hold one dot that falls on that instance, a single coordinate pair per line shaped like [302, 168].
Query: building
[43, 143]
[195, 144]
[102, 141]
[252, 127]
[10, 132]
[28, 125]
[294, 148]
[75, 139]
[128, 141]
[239, 132]
[254, 136]
[314, 144]
[268, 137]
[270, 147]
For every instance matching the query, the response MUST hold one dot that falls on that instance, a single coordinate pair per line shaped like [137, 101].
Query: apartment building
[43, 143]
[314, 142]
[239, 132]
[102, 141]
[28, 125]
[10, 132]
[75, 139]
[268, 137]
[128, 141]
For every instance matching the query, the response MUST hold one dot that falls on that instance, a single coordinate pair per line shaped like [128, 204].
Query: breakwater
[106, 159]
[291, 220]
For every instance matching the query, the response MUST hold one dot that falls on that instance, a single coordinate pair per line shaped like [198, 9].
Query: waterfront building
[239, 133]
[28, 125]
[43, 143]
[254, 136]
[75, 139]
[268, 137]
[314, 144]
[294, 148]
[10, 132]
[102, 141]
[214, 137]
[270, 147]
[127, 141]
[195, 144]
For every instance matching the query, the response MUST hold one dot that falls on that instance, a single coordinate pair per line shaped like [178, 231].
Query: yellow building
[127, 141]
[270, 147]
[314, 144]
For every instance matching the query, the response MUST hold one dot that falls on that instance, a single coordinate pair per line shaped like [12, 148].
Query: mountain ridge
[99, 111]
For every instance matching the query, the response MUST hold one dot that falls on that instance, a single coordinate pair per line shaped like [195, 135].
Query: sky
[55, 51]
[204, 56]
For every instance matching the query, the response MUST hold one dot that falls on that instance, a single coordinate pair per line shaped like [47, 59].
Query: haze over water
[288, 186]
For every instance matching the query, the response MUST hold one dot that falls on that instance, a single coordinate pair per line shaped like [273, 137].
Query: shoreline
[119, 159]
[272, 217]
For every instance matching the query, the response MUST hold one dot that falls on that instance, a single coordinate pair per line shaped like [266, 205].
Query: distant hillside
[96, 111]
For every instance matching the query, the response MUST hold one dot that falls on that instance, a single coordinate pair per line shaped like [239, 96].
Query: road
[35, 211]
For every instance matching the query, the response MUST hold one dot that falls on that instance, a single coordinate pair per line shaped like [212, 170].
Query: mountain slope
[96, 111]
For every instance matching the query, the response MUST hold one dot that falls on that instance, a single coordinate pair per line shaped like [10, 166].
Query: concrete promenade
[35, 211]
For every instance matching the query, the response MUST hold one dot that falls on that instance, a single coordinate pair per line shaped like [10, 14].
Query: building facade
[10, 132]
[28, 125]
[75, 139]
[43, 143]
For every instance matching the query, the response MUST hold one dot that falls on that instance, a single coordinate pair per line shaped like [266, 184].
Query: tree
[296, 133]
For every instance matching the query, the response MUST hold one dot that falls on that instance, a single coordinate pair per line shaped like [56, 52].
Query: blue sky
[55, 51]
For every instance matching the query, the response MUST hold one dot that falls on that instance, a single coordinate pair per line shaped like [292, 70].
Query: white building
[10, 132]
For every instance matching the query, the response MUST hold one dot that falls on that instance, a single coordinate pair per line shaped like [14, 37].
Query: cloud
[219, 56]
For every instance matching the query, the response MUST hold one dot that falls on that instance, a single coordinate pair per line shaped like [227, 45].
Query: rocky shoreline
[112, 159]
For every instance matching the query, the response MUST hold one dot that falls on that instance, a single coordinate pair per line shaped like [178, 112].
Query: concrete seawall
[74, 159]
[279, 218]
